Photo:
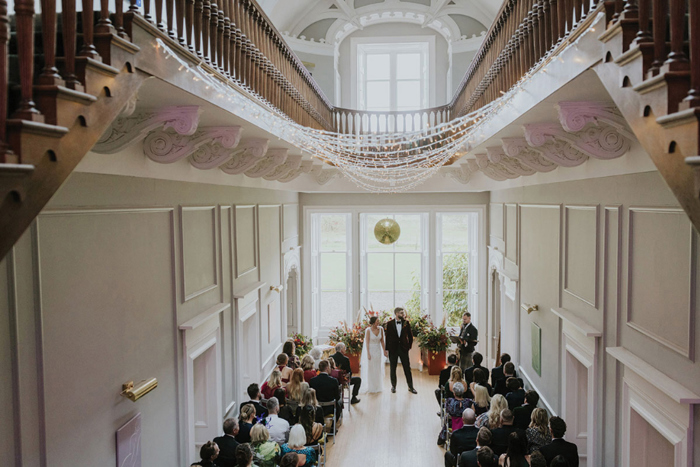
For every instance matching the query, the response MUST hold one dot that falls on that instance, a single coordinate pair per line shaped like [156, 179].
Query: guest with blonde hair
[272, 383]
[308, 398]
[266, 452]
[307, 364]
[538, 433]
[455, 377]
[482, 400]
[246, 421]
[492, 418]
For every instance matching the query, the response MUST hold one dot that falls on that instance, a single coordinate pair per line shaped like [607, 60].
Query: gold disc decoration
[387, 231]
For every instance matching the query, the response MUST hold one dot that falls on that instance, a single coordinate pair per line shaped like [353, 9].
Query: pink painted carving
[129, 443]
[273, 159]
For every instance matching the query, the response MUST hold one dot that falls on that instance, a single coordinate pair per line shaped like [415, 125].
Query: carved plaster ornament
[218, 150]
[543, 137]
[517, 148]
[167, 147]
[494, 171]
[498, 156]
[575, 116]
[304, 168]
[292, 163]
[473, 165]
[128, 130]
[273, 159]
[323, 176]
[247, 154]
[599, 140]
[460, 173]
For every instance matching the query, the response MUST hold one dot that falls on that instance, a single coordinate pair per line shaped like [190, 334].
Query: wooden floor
[391, 429]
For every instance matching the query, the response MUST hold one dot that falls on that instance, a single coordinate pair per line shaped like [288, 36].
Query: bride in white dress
[372, 364]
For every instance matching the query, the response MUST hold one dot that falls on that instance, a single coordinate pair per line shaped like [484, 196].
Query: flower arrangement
[382, 316]
[433, 338]
[420, 324]
[353, 337]
[302, 343]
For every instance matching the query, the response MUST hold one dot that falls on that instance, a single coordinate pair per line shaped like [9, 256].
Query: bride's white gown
[372, 371]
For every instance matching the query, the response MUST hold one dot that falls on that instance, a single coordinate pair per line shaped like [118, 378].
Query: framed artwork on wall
[536, 340]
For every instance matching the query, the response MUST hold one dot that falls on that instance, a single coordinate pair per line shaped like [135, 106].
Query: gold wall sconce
[134, 392]
[277, 289]
[529, 308]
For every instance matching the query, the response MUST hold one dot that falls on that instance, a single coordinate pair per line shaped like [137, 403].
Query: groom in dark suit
[399, 340]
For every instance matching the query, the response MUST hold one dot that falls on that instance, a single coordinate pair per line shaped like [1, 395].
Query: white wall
[323, 72]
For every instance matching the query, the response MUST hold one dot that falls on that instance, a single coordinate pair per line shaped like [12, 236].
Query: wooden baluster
[227, 38]
[159, 15]
[6, 154]
[554, 17]
[88, 49]
[181, 29]
[119, 18]
[643, 35]
[631, 10]
[213, 33]
[24, 19]
[104, 25]
[189, 25]
[235, 44]
[677, 60]
[49, 74]
[578, 6]
[544, 43]
[147, 11]
[659, 30]
[693, 99]
[170, 13]
[546, 22]
[70, 33]
[206, 20]
[197, 24]
[619, 6]
[220, 40]
[561, 14]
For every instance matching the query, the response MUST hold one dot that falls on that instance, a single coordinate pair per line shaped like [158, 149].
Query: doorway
[495, 347]
[577, 405]
[293, 324]
[206, 420]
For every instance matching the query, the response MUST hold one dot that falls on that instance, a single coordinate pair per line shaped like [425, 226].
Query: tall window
[393, 76]
[394, 275]
[332, 266]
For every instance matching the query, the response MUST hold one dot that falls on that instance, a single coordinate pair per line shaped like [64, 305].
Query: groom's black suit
[398, 347]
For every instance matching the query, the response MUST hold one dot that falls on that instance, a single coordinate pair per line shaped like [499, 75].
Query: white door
[206, 422]
[577, 405]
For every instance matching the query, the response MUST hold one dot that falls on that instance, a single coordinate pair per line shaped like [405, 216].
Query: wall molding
[596, 260]
[216, 251]
[238, 273]
[546, 403]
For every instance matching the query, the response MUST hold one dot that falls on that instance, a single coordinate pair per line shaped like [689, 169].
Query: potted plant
[435, 341]
[353, 337]
[302, 343]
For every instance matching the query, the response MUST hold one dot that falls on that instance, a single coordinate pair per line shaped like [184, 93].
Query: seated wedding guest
[500, 436]
[266, 451]
[498, 372]
[312, 428]
[537, 433]
[508, 372]
[516, 454]
[208, 453]
[282, 361]
[290, 349]
[486, 458]
[297, 444]
[343, 363]
[455, 377]
[254, 394]
[516, 393]
[336, 372]
[293, 388]
[272, 383]
[285, 411]
[523, 413]
[455, 407]
[463, 439]
[483, 439]
[537, 459]
[227, 444]
[245, 424]
[277, 426]
[309, 398]
[482, 400]
[317, 355]
[445, 375]
[559, 461]
[307, 364]
[481, 379]
[327, 389]
[244, 455]
[291, 459]
[559, 446]
[492, 418]
[477, 358]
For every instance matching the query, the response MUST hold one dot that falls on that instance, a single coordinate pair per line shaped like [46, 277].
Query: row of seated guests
[509, 446]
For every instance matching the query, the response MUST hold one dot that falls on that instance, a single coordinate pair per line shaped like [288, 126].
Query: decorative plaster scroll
[543, 136]
[575, 116]
[247, 154]
[497, 155]
[273, 159]
[460, 173]
[304, 168]
[495, 171]
[218, 150]
[167, 147]
[518, 148]
[323, 176]
[473, 165]
[127, 130]
[293, 163]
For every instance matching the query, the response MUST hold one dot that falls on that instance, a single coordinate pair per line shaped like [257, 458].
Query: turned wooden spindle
[49, 74]
[213, 34]
[119, 18]
[180, 22]
[693, 99]
[220, 41]
[554, 17]
[189, 25]
[88, 49]
[619, 6]
[198, 21]
[659, 34]
[104, 24]
[631, 10]
[159, 15]
[24, 20]
[147, 11]
[677, 59]
[6, 154]
[644, 34]
[227, 39]
[206, 20]
[170, 21]
[69, 25]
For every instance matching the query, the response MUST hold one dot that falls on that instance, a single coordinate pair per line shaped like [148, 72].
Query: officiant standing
[468, 336]
[399, 341]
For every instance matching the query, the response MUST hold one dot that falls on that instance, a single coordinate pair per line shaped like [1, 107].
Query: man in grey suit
[469, 336]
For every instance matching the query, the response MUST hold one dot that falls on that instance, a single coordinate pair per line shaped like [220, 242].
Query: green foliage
[455, 279]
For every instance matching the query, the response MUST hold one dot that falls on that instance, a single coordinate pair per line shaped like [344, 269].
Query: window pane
[378, 66]
[408, 66]
[454, 271]
[380, 301]
[454, 304]
[410, 301]
[333, 227]
[333, 308]
[380, 272]
[410, 224]
[333, 271]
[377, 95]
[408, 95]
[408, 271]
[372, 243]
[455, 228]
